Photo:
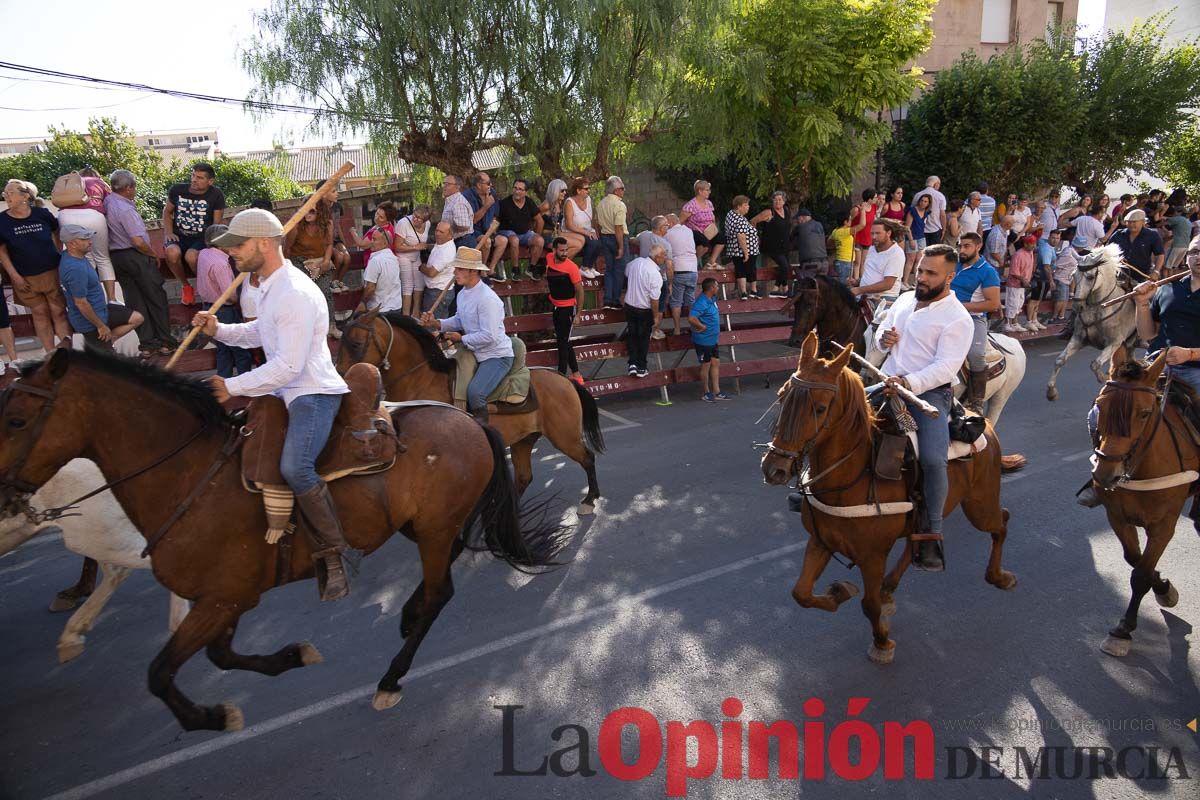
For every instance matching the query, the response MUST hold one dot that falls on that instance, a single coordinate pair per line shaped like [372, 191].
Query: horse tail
[526, 539]
[593, 437]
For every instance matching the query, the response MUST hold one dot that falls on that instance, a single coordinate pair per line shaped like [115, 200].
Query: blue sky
[171, 45]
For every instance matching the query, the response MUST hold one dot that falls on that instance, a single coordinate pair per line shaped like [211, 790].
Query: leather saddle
[513, 395]
[994, 360]
[363, 438]
[897, 452]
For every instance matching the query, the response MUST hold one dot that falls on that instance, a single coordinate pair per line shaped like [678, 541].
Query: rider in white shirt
[884, 265]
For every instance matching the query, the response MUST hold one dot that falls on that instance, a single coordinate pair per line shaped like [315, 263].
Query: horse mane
[193, 393]
[425, 340]
[840, 289]
[1107, 258]
[850, 386]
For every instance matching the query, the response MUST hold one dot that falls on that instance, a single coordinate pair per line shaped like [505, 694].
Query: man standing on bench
[291, 326]
[479, 325]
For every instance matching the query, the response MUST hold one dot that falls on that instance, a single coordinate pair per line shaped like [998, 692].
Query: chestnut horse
[167, 449]
[1141, 438]
[824, 418]
[414, 368]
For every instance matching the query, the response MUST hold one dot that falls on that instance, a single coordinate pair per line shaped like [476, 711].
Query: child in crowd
[1065, 262]
[1017, 280]
[706, 330]
[843, 248]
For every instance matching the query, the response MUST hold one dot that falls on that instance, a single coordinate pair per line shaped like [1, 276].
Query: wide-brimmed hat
[469, 258]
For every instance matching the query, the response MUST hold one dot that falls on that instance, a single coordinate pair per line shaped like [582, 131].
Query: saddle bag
[965, 427]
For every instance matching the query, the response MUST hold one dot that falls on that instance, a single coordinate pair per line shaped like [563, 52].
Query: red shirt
[863, 237]
[562, 277]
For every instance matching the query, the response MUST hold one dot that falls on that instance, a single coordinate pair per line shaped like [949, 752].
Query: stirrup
[332, 581]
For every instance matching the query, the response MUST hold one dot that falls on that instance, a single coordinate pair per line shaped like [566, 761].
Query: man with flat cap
[479, 325]
[292, 323]
[88, 309]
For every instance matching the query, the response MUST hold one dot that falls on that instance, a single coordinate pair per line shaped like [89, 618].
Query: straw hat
[469, 258]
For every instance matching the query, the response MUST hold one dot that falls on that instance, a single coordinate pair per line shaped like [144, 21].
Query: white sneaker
[1037, 324]
[658, 334]
[1029, 325]
[1011, 328]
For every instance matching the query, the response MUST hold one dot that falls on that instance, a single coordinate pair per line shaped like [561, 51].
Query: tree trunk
[450, 154]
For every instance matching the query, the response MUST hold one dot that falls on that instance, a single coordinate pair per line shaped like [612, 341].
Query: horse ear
[56, 365]
[842, 359]
[809, 348]
[1157, 367]
[1119, 358]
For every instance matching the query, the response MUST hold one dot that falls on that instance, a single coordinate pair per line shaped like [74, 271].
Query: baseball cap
[1028, 240]
[69, 233]
[803, 212]
[1136, 214]
[253, 223]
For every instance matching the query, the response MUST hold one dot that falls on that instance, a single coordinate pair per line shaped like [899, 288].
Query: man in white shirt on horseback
[927, 339]
[291, 328]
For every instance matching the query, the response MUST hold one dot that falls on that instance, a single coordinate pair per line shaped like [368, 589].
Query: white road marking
[155, 765]
[624, 423]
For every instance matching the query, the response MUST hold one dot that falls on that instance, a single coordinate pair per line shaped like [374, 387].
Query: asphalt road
[677, 597]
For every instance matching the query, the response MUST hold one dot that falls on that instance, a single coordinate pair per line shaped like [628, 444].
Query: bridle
[15, 493]
[357, 323]
[795, 457]
[1132, 459]
[1087, 300]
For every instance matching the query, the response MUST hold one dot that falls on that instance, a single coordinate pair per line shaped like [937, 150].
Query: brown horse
[167, 449]
[1142, 437]
[824, 417]
[414, 368]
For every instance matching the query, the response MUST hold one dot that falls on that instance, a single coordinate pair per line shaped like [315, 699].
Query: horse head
[1097, 274]
[359, 342]
[1129, 412]
[806, 309]
[807, 402]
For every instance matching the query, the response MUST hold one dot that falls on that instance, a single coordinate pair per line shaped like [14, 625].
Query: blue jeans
[976, 356]
[933, 440]
[683, 290]
[487, 377]
[591, 249]
[230, 357]
[844, 270]
[614, 271]
[310, 418]
[430, 296]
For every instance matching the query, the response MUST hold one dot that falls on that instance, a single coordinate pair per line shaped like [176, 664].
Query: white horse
[999, 389]
[1096, 280]
[102, 532]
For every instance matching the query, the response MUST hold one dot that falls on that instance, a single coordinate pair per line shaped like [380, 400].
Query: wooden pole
[926, 408]
[1160, 282]
[292, 222]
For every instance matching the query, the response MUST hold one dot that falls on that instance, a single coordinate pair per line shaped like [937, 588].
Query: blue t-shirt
[918, 222]
[1045, 259]
[705, 310]
[969, 282]
[477, 203]
[30, 241]
[78, 278]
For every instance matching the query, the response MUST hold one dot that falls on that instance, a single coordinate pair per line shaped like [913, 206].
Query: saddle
[1184, 398]
[994, 360]
[362, 441]
[514, 394]
[897, 448]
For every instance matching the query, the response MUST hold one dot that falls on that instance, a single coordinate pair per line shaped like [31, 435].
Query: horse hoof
[881, 656]
[842, 590]
[234, 720]
[71, 650]
[1007, 581]
[385, 700]
[888, 609]
[63, 602]
[309, 654]
[1052, 395]
[1118, 648]
[1169, 599]
[586, 509]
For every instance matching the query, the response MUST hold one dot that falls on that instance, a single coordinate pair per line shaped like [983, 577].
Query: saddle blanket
[957, 449]
[513, 389]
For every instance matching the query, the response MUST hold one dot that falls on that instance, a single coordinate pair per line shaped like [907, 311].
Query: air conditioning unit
[199, 145]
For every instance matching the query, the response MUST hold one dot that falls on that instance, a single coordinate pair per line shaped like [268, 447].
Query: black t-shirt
[30, 241]
[775, 233]
[194, 212]
[1176, 308]
[517, 220]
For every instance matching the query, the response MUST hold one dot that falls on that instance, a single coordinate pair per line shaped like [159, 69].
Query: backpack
[69, 191]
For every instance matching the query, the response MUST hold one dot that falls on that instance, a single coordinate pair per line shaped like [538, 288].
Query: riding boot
[976, 389]
[330, 552]
[1088, 497]
[929, 556]
[481, 414]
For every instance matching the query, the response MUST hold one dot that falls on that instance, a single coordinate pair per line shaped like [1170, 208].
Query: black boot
[976, 389]
[929, 556]
[324, 531]
[481, 414]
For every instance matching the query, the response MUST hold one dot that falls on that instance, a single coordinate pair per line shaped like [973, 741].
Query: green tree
[105, 146]
[568, 83]
[1177, 159]
[1003, 121]
[242, 181]
[791, 90]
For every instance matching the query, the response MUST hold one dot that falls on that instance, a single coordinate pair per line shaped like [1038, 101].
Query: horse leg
[412, 606]
[69, 598]
[177, 609]
[985, 514]
[298, 654]
[892, 581]
[1073, 347]
[436, 559]
[522, 460]
[207, 620]
[882, 649]
[1141, 580]
[816, 558]
[568, 440]
[70, 642]
[1098, 365]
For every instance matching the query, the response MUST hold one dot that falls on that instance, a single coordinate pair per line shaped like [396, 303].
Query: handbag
[710, 232]
[69, 191]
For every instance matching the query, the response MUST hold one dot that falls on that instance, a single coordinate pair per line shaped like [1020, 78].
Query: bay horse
[414, 368]
[1097, 279]
[1146, 465]
[826, 305]
[824, 419]
[168, 452]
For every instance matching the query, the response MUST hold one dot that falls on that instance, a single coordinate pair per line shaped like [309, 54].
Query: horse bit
[792, 456]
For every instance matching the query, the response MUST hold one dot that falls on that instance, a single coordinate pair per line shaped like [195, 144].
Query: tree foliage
[243, 181]
[792, 90]
[1044, 114]
[571, 83]
[1177, 160]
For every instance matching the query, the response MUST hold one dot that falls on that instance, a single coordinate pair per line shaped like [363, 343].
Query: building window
[153, 142]
[194, 139]
[997, 22]
[1054, 14]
